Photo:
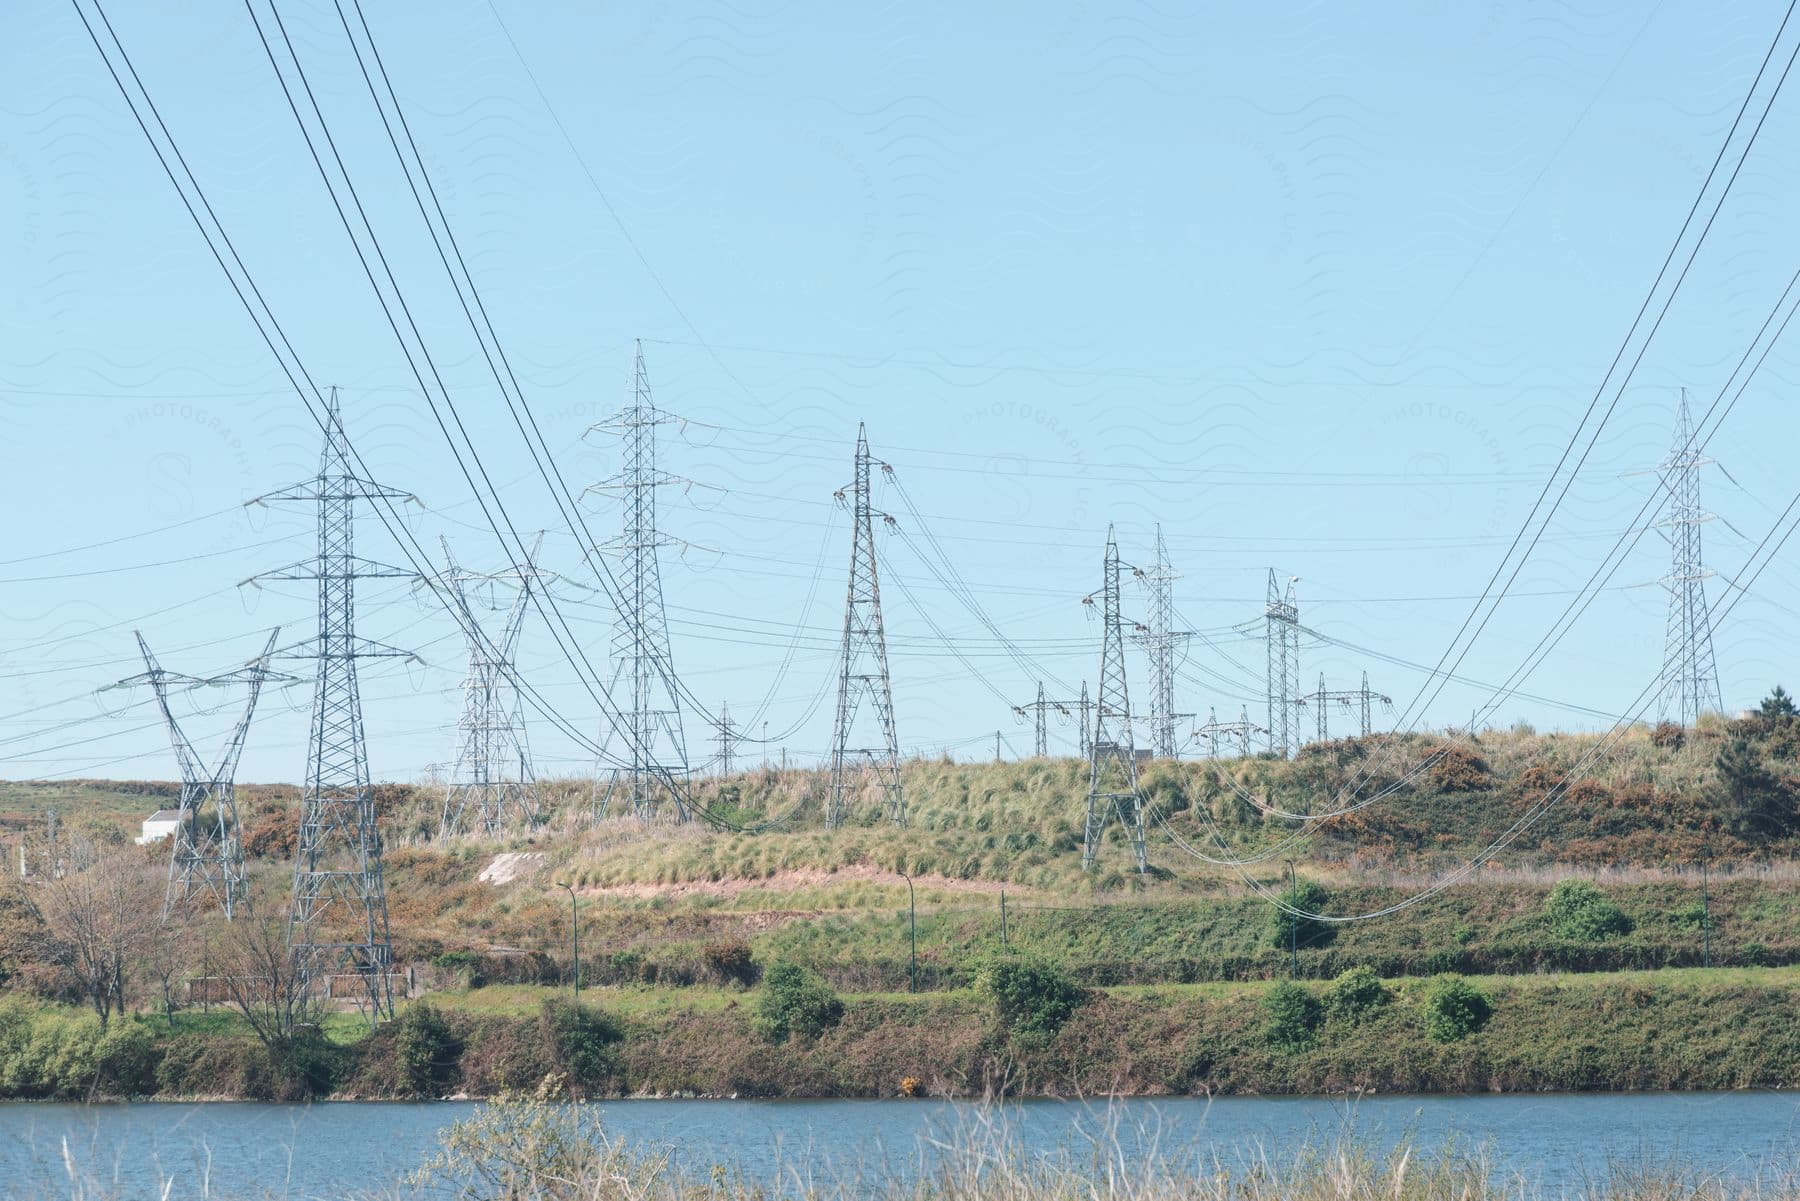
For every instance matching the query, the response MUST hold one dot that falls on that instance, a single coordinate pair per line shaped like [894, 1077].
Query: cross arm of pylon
[361, 648]
[621, 423]
[645, 479]
[259, 672]
[158, 676]
[308, 569]
[344, 486]
[307, 491]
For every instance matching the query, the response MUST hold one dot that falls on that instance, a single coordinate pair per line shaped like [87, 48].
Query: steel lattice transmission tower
[1690, 672]
[1084, 709]
[206, 853]
[1112, 759]
[1281, 641]
[338, 922]
[1215, 731]
[1160, 641]
[493, 773]
[1352, 700]
[727, 737]
[863, 665]
[1040, 740]
[1066, 711]
[650, 722]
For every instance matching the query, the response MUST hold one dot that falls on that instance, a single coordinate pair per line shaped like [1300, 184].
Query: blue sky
[1315, 288]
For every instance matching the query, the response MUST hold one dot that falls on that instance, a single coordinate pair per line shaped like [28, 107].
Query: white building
[159, 825]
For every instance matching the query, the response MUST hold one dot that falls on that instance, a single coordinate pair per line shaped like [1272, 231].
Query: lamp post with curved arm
[574, 939]
[912, 922]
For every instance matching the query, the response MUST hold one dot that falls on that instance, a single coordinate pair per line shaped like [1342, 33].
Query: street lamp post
[1293, 926]
[574, 939]
[912, 923]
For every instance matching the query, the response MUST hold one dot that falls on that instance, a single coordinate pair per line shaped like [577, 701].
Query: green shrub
[212, 1065]
[466, 965]
[581, 1040]
[795, 1001]
[1287, 930]
[425, 1051]
[1354, 994]
[1442, 961]
[1693, 917]
[730, 961]
[1032, 998]
[125, 1060]
[503, 1054]
[1453, 1008]
[1580, 912]
[307, 1065]
[47, 1053]
[1291, 1016]
[627, 965]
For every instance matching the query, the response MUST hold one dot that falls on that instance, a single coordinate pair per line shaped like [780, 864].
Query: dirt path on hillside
[798, 878]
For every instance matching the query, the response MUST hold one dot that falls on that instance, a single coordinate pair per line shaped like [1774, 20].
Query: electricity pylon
[1351, 700]
[338, 920]
[1281, 641]
[726, 737]
[1360, 701]
[863, 664]
[1112, 759]
[206, 852]
[650, 722]
[1363, 699]
[1214, 731]
[1039, 711]
[1084, 709]
[1690, 672]
[1160, 641]
[493, 773]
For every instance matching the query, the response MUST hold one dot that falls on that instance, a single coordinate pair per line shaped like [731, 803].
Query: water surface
[333, 1150]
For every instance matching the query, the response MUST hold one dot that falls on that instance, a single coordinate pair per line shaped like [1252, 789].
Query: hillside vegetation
[983, 837]
[1675, 851]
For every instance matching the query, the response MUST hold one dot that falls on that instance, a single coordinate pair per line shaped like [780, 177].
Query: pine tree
[1747, 782]
[1778, 706]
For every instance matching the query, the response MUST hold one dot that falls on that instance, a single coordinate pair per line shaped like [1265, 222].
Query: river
[335, 1150]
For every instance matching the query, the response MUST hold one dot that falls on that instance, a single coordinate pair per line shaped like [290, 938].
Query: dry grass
[528, 1148]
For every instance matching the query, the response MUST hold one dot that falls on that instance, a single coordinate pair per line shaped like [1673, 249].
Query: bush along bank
[1023, 1032]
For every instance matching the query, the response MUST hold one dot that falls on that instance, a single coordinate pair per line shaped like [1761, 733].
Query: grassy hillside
[680, 923]
[660, 901]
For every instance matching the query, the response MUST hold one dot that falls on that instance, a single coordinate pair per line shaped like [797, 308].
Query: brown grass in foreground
[532, 1148]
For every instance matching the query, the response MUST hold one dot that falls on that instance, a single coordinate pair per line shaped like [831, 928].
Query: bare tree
[261, 980]
[98, 922]
[168, 955]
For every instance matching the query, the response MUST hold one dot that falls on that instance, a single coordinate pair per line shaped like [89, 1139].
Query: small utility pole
[1705, 909]
[996, 746]
[1293, 928]
[574, 940]
[912, 921]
